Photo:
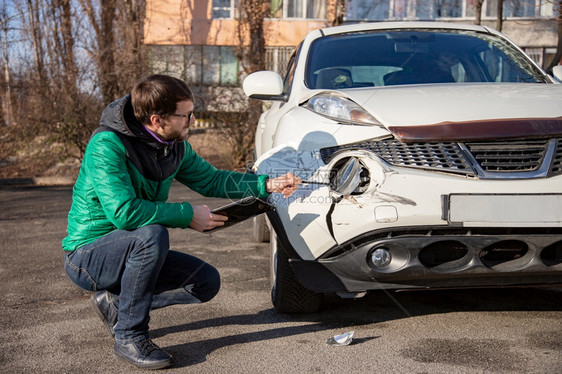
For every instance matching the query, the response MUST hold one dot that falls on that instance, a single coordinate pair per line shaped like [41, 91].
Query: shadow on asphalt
[377, 307]
[384, 305]
[192, 353]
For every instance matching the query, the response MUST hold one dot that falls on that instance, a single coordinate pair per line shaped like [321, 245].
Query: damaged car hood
[464, 111]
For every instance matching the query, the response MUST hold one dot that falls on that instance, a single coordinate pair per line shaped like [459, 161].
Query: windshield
[415, 57]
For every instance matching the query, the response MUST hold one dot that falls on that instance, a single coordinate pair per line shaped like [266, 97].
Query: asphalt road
[47, 325]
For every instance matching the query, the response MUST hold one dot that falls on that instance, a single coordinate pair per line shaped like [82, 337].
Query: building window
[448, 8]
[212, 63]
[219, 66]
[522, 8]
[193, 55]
[277, 58]
[361, 10]
[303, 9]
[400, 9]
[197, 64]
[403, 9]
[367, 10]
[224, 8]
[295, 9]
[316, 9]
[229, 67]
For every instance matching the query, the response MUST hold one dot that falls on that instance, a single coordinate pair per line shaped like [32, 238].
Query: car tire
[261, 229]
[288, 295]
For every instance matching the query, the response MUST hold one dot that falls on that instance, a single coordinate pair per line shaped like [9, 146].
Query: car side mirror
[264, 85]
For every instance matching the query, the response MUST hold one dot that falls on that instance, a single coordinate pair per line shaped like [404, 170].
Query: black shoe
[106, 310]
[143, 354]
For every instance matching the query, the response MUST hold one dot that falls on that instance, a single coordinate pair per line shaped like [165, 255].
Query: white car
[432, 158]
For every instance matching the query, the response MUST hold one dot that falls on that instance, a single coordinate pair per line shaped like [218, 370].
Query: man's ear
[155, 122]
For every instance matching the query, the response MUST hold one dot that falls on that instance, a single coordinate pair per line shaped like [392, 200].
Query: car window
[288, 80]
[415, 57]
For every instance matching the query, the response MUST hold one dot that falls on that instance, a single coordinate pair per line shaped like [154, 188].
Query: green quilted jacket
[126, 175]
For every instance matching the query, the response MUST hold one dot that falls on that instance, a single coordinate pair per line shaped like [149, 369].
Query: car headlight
[349, 176]
[340, 109]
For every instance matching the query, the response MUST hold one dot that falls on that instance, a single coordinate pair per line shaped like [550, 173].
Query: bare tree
[33, 12]
[7, 108]
[43, 85]
[233, 116]
[56, 91]
[237, 126]
[478, 11]
[131, 16]
[61, 106]
[499, 15]
[102, 53]
[118, 27]
[336, 12]
[251, 18]
[63, 66]
[106, 46]
[67, 45]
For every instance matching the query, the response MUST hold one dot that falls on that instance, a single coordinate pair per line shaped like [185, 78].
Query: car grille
[502, 159]
[509, 156]
[556, 167]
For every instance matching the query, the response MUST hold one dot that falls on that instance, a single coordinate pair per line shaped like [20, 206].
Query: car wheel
[261, 229]
[287, 293]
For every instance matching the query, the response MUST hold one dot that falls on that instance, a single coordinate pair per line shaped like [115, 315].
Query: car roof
[370, 26]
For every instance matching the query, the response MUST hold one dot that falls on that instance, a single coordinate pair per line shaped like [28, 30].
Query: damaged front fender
[317, 218]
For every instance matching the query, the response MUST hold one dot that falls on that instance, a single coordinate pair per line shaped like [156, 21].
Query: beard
[175, 134]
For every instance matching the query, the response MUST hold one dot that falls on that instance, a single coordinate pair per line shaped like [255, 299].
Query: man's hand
[203, 219]
[285, 184]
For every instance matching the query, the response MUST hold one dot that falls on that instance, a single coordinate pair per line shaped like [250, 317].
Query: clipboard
[241, 210]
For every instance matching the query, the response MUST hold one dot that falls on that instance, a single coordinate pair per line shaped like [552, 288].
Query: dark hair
[158, 94]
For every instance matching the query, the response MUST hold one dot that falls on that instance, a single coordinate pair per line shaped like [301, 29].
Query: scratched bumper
[441, 230]
[427, 258]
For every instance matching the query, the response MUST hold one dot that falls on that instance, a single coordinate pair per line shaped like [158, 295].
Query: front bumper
[436, 257]
[441, 230]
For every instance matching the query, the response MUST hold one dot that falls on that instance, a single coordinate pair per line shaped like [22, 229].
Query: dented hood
[465, 111]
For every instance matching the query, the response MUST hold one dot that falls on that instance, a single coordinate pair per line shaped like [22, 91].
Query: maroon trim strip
[480, 130]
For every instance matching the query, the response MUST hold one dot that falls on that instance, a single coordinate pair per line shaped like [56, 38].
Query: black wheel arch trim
[282, 235]
[312, 274]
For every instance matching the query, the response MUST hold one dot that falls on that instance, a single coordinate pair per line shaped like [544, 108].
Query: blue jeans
[142, 273]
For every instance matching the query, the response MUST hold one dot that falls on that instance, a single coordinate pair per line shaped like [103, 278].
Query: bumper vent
[530, 158]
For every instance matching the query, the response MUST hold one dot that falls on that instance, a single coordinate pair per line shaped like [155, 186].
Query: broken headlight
[349, 176]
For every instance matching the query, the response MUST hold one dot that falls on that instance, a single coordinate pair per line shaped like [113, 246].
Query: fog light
[380, 257]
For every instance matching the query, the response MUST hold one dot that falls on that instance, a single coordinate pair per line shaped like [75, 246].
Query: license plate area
[505, 210]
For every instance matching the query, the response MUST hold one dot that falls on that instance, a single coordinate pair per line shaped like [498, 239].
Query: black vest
[153, 160]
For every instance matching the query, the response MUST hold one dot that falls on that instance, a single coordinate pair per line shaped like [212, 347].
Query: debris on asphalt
[340, 340]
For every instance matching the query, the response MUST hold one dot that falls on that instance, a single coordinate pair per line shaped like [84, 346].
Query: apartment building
[197, 40]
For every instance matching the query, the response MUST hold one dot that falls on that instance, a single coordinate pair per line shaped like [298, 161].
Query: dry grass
[38, 159]
[209, 145]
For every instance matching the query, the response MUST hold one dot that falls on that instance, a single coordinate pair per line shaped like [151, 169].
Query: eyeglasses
[188, 115]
